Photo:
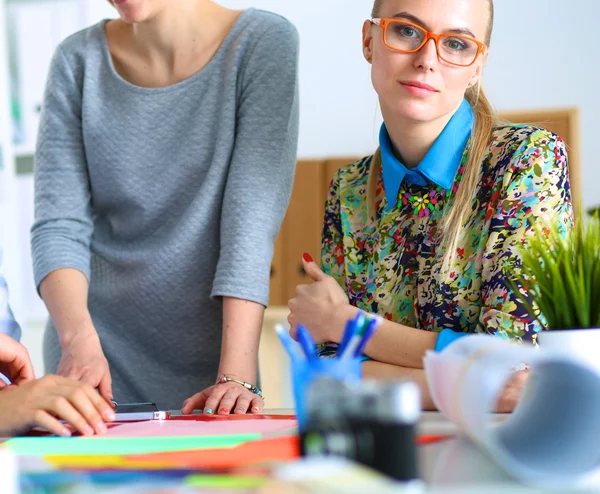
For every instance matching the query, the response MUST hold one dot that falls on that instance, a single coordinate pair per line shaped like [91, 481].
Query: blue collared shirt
[439, 165]
[8, 325]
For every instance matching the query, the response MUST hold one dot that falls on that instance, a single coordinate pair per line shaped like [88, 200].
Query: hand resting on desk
[223, 399]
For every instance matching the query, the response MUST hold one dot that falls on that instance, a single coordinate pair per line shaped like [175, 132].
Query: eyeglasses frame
[384, 22]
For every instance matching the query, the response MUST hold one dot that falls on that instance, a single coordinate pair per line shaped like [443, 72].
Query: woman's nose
[427, 56]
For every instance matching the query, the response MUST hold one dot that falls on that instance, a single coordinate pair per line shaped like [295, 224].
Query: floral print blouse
[391, 265]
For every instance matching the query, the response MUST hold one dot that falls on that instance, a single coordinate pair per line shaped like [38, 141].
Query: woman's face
[396, 76]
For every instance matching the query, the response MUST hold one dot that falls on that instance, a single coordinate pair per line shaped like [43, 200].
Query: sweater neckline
[237, 26]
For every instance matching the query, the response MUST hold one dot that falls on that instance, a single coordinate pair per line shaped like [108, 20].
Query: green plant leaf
[559, 277]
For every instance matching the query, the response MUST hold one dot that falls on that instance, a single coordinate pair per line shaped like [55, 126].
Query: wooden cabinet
[302, 226]
[301, 229]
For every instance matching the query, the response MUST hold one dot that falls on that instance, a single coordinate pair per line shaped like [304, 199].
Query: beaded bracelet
[254, 389]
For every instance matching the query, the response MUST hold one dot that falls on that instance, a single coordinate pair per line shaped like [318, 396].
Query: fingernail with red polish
[224, 410]
[306, 257]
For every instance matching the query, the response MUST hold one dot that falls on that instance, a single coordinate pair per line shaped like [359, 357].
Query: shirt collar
[439, 165]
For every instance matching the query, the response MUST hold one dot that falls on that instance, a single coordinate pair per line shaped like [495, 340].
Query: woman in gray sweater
[164, 166]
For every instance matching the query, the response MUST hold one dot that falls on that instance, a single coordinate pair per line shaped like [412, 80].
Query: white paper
[9, 473]
[552, 439]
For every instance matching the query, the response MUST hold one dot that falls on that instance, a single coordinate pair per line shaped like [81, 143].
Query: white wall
[545, 54]
[9, 226]
[538, 59]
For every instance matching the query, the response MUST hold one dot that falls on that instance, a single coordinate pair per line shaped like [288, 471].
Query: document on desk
[553, 436]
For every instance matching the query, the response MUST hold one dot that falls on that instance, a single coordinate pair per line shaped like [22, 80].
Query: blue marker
[373, 325]
[353, 329]
[288, 343]
[306, 342]
[357, 337]
[348, 332]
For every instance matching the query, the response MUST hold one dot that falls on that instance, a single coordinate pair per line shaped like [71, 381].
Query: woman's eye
[407, 32]
[455, 44]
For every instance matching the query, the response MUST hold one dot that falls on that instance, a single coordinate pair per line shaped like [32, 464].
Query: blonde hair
[484, 121]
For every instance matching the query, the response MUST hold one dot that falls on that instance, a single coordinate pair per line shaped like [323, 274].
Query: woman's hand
[43, 402]
[314, 305]
[83, 360]
[15, 363]
[512, 392]
[223, 399]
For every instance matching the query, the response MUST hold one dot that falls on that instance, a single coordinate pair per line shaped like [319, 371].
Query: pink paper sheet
[158, 428]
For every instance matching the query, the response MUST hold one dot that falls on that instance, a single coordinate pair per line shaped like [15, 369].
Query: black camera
[370, 422]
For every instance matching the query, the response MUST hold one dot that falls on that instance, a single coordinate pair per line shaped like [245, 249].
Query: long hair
[484, 120]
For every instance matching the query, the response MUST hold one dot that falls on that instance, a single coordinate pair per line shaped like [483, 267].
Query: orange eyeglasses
[406, 37]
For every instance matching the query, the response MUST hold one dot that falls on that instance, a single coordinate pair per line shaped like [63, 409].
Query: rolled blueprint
[552, 438]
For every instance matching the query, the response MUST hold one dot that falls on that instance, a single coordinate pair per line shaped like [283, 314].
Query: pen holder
[306, 371]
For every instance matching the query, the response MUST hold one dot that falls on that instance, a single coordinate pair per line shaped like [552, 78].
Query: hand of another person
[314, 304]
[15, 363]
[83, 360]
[512, 392]
[223, 399]
[43, 402]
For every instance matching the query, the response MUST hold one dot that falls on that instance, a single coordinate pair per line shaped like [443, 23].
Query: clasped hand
[28, 402]
[315, 305]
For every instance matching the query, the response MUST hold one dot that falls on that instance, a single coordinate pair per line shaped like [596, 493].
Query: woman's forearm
[65, 293]
[392, 343]
[242, 324]
[386, 371]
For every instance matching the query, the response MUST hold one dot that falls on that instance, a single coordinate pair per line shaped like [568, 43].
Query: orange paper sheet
[284, 448]
[278, 449]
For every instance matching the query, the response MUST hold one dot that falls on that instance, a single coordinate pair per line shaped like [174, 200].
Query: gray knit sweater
[167, 199]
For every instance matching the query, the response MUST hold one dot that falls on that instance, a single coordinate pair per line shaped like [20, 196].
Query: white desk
[457, 466]
[450, 466]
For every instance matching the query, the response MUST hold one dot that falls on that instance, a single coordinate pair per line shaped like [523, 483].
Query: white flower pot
[582, 343]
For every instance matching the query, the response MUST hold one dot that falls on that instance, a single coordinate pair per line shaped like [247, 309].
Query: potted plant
[559, 284]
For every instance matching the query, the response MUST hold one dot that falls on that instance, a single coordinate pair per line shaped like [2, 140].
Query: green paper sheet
[226, 481]
[46, 446]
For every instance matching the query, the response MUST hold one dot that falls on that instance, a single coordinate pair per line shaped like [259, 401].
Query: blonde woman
[164, 165]
[420, 231]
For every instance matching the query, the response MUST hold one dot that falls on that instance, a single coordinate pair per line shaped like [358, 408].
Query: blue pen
[348, 332]
[288, 343]
[306, 342]
[373, 325]
[361, 327]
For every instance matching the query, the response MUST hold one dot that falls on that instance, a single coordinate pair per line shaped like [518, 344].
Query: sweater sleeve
[61, 233]
[261, 173]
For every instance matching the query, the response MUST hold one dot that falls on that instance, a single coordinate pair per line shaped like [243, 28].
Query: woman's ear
[367, 41]
[476, 77]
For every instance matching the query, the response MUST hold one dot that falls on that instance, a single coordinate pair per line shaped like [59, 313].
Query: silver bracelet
[254, 389]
